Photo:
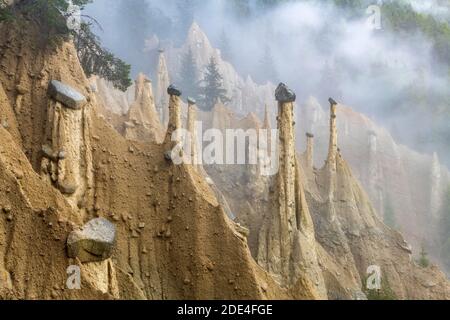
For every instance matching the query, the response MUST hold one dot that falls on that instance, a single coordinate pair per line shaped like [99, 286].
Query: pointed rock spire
[332, 151]
[309, 150]
[174, 111]
[163, 81]
[287, 239]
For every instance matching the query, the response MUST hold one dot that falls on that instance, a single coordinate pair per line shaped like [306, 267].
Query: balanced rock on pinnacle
[332, 102]
[284, 95]
[68, 96]
[174, 91]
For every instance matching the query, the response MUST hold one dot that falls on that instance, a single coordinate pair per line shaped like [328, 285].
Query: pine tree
[188, 75]
[212, 89]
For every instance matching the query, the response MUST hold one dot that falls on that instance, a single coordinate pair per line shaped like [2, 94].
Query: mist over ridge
[316, 47]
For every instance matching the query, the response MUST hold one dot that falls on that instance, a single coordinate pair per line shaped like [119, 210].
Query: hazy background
[314, 46]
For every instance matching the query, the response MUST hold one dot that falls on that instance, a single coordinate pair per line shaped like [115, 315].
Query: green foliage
[423, 259]
[211, 90]
[49, 15]
[188, 75]
[385, 293]
[5, 12]
[51, 19]
[96, 60]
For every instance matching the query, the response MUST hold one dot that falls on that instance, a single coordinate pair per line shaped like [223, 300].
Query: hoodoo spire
[192, 128]
[287, 245]
[163, 81]
[332, 151]
[174, 111]
[309, 150]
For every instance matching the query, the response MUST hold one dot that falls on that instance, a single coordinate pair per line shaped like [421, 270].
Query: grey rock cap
[332, 102]
[284, 95]
[191, 100]
[174, 91]
[68, 96]
[94, 242]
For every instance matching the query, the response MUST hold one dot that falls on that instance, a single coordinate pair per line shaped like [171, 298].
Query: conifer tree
[212, 89]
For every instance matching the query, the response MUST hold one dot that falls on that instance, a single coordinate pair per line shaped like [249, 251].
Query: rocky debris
[284, 95]
[94, 242]
[168, 156]
[172, 90]
[5, 124]
[21, 89]
[68, 96]
[52, 155]
[67, 188]
[406, 247]
[245, 232]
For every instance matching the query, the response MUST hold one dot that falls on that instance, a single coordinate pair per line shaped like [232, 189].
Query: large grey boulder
[68, 96]
[284, 95]
[94, 242]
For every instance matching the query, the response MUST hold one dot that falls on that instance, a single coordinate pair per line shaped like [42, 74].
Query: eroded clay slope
[173, 239]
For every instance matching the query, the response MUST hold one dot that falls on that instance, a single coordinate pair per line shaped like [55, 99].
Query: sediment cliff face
[410, 185]
[175, 231]
[350, 236]
[143, 119]
[173, 239]
[287, 242]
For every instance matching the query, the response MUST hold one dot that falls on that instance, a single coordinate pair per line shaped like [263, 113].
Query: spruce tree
[188, 75]
[212, 89]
